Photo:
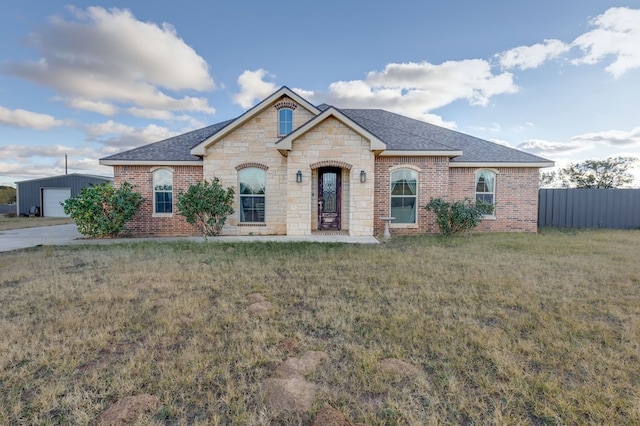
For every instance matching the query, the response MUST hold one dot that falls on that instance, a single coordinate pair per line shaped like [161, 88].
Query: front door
[329, 197]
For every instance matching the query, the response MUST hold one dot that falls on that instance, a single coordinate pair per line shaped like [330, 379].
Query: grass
[8, 223]
[505, 329]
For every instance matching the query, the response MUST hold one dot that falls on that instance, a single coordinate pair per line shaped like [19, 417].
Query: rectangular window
[252, 209]
[252, 182]
[285, 121]
[485, 189]
[404, 195]
[163, 202]
[163, 191]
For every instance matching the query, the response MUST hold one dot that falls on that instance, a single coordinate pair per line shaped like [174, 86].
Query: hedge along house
[43, 196]
[300, 169]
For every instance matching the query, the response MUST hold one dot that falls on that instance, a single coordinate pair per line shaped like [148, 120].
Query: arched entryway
[330, 198]
[331, 189]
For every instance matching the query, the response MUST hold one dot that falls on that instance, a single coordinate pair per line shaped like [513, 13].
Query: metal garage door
[51, 199]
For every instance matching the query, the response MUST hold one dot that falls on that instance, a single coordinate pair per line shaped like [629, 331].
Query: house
[42, 197]
[299, 169]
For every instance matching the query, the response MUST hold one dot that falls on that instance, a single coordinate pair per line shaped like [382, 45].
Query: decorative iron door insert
[329, 198]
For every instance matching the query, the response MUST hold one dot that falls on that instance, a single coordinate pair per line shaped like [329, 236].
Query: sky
[558, 79]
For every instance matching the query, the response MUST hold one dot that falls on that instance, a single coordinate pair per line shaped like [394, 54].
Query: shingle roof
[177, 148]
[402, 133]
[398, 132]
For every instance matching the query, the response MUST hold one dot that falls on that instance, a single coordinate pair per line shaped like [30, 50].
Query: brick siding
[145, 223]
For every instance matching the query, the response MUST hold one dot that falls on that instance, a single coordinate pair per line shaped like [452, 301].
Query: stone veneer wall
[145, 223]
[255, 144]
[330, 143]
[516, 197]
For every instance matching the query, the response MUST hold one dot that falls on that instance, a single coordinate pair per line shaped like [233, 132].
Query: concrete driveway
[68, 234]
[44, 235]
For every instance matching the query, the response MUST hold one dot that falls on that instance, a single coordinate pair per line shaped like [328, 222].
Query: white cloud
[103, 108]
[617, 34]
[600, 144]
[493, 127]
[108, 56]
[416, 89]
[540, 146]
[27, 119]
[525, 57]
[107, 128]
[612, 137]
[22, 153]
[413, 89]
[121, 136]
[253, 87]
[154, 114]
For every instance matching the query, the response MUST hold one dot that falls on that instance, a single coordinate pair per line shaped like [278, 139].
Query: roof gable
[200, 149]
[285, 143]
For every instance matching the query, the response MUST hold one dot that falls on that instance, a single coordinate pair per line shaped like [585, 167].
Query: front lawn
[502, 329]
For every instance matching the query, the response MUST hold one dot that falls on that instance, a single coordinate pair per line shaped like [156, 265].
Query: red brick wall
[516, 197]
[516, 194]
[433, 181]
[144, 223]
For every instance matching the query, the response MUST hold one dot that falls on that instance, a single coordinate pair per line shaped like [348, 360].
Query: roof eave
[534, 164]
[420, 153]
[149, 163]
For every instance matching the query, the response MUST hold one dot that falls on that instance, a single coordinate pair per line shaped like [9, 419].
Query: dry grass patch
[501, 328]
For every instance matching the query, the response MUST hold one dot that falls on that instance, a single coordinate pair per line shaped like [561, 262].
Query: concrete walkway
[68, 234]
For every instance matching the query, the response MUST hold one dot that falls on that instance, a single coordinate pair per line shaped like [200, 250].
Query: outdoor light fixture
[299, 176]
[363, 176]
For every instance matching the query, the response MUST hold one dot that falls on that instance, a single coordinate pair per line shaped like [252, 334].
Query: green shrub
[102, 211]
[206, 205]
[458, 216]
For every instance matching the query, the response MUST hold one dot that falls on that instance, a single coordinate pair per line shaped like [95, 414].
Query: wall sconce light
[299, 176]
[363, 176]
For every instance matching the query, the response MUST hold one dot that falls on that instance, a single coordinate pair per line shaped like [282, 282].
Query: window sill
[488, 217]
[162, 215]
[403, 225]
[252, 224]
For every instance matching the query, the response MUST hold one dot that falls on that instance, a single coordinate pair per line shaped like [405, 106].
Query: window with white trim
[285, 121]
[252, 182]
[486, 188]
[163, 191]
[404, 194]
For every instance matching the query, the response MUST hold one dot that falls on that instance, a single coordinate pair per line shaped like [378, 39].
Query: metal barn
[42, 197]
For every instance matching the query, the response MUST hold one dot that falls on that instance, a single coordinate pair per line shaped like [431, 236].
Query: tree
[7, 194]
[458, 216]
[206, 205]
[102, 211]
[612, 172]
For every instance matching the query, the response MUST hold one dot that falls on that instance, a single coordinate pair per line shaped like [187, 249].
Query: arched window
[252, 183]
[486, 188]
[163, 191]
[285, 121]
[404, 190]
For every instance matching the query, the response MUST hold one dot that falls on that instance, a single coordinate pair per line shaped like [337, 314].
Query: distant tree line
[7, 194]
[612, 172]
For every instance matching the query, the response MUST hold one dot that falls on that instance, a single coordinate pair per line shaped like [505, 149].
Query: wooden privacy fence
[589, 208]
